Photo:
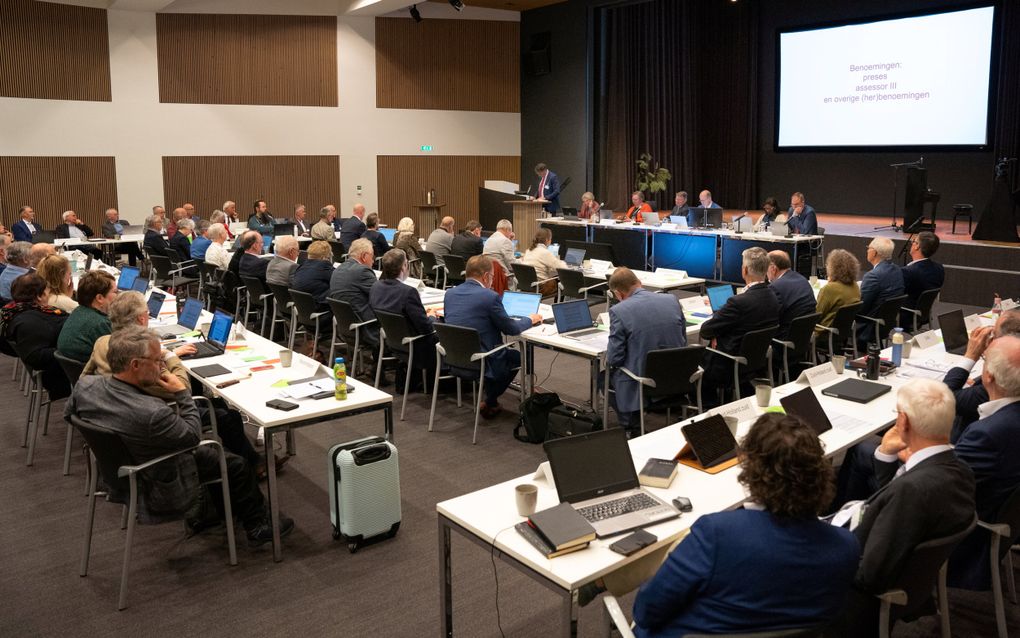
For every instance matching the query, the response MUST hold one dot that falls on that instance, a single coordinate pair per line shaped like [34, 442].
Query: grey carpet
[185, 587]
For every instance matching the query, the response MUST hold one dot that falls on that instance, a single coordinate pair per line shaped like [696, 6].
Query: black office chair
[885, 318]
[527, 278]
[307, 315]
[460, 348]
[282, 312]
[209, 285]
[170, 274]
[72, 370]
[914, 318]
[110, 458]
[799, 343]
[433, 272]
[348, 328]
[671, 375]
[755, 353]
[259, 297]
[397, 333]
[339, 252]
[573, 285]
[1004, 530]
[840, 330]
[234, 291]
[455, 266]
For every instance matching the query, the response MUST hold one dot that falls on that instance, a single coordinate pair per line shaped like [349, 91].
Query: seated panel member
[680, 207]
[704, 201]
[352, 282]
[801, 217]
[26, 227]
[250, 264]
[323, 229]
[73, 228]
[500, 245]
[55, 270]
[638, 207]
[200, 244]
[883, 282]
[35, 327]
[922, 273]
[284, 262]
[643, 321]
[150, 428]
[795, 294]
[842, 269]
[390, 294]
[261, 220]
[440, 241]
[314, 276]
[154, 241]
[217, 253]
[474, 305]
[372, 234]
[406, 240]
[756, 308]
[300, 227]
[468, 242]
[181, 240]
[114, 227]
[352, 227]
[746, 570]
[18, 262]
[770, 213]
[589, 207]
[544, 261]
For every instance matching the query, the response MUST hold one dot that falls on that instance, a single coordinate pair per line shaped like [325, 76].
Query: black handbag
[565, 421]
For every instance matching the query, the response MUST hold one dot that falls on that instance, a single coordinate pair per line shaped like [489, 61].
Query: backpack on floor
[566, 421]
[534, 420]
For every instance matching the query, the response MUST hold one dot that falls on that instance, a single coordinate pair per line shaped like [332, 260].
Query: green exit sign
[426, 147]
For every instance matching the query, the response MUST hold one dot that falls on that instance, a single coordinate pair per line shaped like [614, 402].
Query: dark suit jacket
[934, 499]
[796, 299]
[879, 284]
[552, 191]
[61, 231]
[158, 245]
[968, 398]
[747, 570]
[252, 266]
[235, 262]
[680, 210]
[20, 230]
[643, 322]
[179, 242]
[379, 243]
[313, 277]
[806, 223]
[466, 245]
[757, 308]
[474, 306]
[390, 295]
[352, 282]
[918, 277]
[991, 448]
[351, 228]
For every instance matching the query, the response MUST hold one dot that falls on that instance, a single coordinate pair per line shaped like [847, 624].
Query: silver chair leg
[407, 378]
[1010, 580]
[460, 401]
[90, 517]
[379, 359]
[272, 316]
[67, 449]
[332, 346]
[129, 538]
[478, 400]
[1000, 606]
[944, 602]
[228, 515]
[33, 427]
[435, 391]
[293, 330]
[641, 405]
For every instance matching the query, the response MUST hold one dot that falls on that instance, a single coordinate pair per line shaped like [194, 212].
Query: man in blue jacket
[883, 282]
[548, 188]
[796, 297]
[474, 305]
[921, 273]
[801, 217]
[643, 321]
[25, 228]
[353, 227]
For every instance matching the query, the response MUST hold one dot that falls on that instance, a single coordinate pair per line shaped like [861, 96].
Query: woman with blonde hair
[842, 270]
[544, 262]
[55, 270]
[406, 240]
[589, 207]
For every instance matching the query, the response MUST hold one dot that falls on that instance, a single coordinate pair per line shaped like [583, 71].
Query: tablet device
[856, 390]
[710, 440]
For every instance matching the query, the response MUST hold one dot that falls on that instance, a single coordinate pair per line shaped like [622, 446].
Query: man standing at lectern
[548, 188]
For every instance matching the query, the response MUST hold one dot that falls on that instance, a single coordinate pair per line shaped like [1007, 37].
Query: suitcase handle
[371, 454]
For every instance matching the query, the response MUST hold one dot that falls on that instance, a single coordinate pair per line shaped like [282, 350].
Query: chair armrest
[355, 326]
[408, 340]
[999, 529]
[819, 326]
[616, 616]
[893, 596]
[731, 357]
[484, 355]
[212, 413]
[874, 319]
[539, 282]
[697, 374]
[316, 315]
[585, 289]
[789, 345]
[911, 311]
[126, 470]
[642, 380]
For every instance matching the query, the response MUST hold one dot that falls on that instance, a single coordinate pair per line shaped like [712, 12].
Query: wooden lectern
[426, 219]
[526, 216]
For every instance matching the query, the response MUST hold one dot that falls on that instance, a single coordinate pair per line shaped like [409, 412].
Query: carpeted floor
[185, 587]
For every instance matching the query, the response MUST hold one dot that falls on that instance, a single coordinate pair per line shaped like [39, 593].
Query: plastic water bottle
[897, 346]
[997, 306]
[340, 379]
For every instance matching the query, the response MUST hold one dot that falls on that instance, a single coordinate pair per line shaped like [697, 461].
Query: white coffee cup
[527, 498]
[839, 363]
[286, 356]
[763, 393]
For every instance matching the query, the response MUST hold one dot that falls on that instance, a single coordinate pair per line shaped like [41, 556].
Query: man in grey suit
[150, 428]
[352, 282]
[643, 321]
[441, 240]
[281, 268]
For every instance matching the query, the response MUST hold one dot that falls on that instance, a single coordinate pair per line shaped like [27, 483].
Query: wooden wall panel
[404, 179]
[51, 185]
[247, 59]
[54, 51]
[281, 180]
[460, 65]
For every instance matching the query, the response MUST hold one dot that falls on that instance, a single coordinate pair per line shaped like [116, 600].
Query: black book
[658, 472]
[562, 526]
[532, 536]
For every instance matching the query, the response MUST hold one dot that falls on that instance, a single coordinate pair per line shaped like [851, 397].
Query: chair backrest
[843, 321]
[429, 265]
[455, 265]
[72, 367]
[526, 277]
[44, 237]
[925, 301]
[345, 315]
[889, 313]
[231, 281]
[209, 271]
[339, 252]
[571, 282]
[1009, 514]
[111, 454]
[396, 328]
[281, 295]
[754, 346]
[304, 305]
[161, 265]
[671, 369]
[256, 289]
[799, 334]
[459, 343]
[918, 575]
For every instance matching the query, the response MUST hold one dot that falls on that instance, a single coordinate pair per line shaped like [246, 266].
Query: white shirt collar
[917, 260]
[926, 453]
[989, 408]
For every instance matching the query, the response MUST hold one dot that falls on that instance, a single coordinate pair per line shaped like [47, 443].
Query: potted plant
[651, 179]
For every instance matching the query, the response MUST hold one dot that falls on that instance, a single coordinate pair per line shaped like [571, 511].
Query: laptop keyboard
[205, 349]
[584, 333]
[617, 507]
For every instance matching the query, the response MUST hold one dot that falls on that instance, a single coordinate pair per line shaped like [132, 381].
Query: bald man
[441, 240]
[353, 227]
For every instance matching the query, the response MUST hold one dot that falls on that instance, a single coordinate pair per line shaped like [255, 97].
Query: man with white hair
[500, 245]
[114, 226]
[73, 228]
[352, 282]
[925, 492]
[284, 263]
[883, 282]
[230, 208]
[323, 229]
[217, 252]
[991, 448]
[154, 240]
[299, 220]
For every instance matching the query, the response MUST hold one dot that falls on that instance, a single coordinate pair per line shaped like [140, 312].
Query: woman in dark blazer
[35, 326]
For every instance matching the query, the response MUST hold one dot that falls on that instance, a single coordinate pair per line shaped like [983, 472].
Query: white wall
[138, 130]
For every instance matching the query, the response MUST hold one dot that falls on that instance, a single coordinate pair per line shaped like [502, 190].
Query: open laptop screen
[805, 406]
[219, 329]
[954, 330]
[190, 314]
[571, 315]
[388, 233]
[591, 465]
[141, 285]
[717, 296]
[128, 275]
[521, 304]
[155, 303]
[574, 257]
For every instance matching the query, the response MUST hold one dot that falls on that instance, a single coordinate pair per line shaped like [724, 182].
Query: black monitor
[592, 250]
[707, 217]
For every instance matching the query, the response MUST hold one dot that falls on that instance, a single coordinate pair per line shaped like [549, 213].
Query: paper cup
[286, 357]
[526, 495]
[839, 363]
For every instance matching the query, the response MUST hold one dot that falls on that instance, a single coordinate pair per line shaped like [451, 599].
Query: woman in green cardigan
[842, 269]
[96, 291]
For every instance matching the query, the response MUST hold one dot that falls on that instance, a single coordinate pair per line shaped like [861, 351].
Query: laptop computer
[595, 473]
[856, 390]
[521, 304]
[216, 343]
[718, 295]
[186, 322]
[128, 275]
[155, 303]
[805, 406]
[283, 228]
[573, 319]
[780, 228]
[679, 220]
[141, 285]
[574, 257]
[650, 219]
[388, 233]
[131, 229]
[954, 332]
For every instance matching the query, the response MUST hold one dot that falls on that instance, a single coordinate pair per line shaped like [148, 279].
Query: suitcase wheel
[352, 547]
[393, 530]
[336, 533]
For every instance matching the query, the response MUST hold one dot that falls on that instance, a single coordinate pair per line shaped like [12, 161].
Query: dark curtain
[677, 79]
[1006, 140]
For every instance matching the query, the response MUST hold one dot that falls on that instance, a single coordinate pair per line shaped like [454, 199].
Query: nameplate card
[927, 339]
[745, 409]
[972, 323]
[1008, 304]
[817, 375]
[682, 274]
[695, 304]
